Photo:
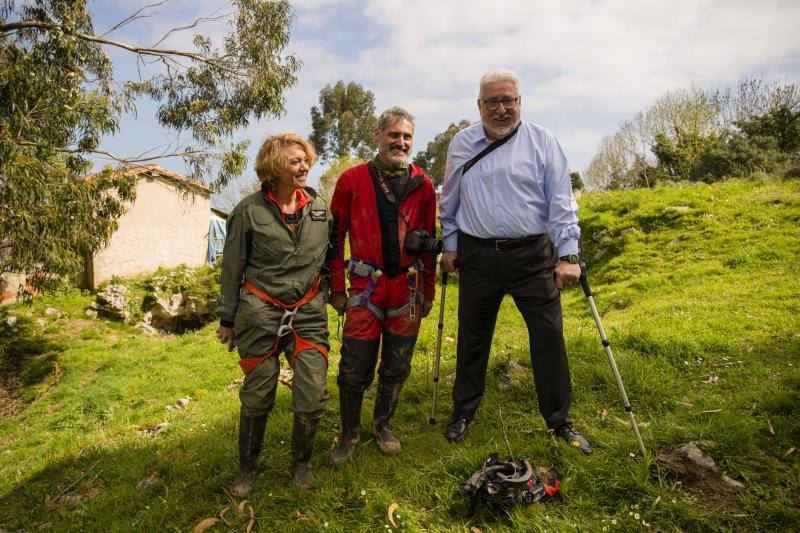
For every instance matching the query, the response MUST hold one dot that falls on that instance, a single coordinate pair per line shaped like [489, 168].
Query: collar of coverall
[302, 199]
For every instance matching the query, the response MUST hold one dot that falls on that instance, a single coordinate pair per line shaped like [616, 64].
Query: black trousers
[526, 273]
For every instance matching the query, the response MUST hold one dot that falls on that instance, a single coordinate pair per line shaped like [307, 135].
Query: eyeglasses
[493, 103]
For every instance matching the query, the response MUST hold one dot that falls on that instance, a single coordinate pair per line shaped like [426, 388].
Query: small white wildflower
[673, 501]
[636, 516]
[325, 524]
[631, 454]
[614, 521]
[363, 492]
[630, 513]
[605, 528]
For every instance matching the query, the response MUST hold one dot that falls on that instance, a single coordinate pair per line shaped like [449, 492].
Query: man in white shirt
[510, 226]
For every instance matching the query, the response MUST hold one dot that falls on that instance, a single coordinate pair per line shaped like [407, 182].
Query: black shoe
[456, 429]
[574, 438]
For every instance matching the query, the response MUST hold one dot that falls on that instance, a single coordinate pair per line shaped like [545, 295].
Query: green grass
[688, 279]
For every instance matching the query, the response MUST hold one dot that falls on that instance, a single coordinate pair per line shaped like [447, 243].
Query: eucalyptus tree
[434, 157]
[60, 94]
[344, 121]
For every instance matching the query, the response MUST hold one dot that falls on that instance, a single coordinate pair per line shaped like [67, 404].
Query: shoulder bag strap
[486, 151]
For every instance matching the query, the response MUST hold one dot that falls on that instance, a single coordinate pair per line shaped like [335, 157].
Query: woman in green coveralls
[272, 300]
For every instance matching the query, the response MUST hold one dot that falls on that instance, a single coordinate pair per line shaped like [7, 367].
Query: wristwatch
[573, 258]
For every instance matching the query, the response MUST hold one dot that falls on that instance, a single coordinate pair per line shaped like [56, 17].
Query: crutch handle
[584, 281]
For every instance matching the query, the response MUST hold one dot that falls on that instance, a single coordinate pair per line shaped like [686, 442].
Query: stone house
[167, 225]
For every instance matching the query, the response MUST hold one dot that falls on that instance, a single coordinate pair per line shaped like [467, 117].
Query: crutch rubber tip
[432, 421]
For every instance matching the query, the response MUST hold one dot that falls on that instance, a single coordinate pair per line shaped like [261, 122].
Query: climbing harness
[359, 267]
[286, 326]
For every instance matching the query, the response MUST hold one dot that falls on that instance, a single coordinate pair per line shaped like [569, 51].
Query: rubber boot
[303, 433]
[350, 412]
[251, 437]
[385, 404]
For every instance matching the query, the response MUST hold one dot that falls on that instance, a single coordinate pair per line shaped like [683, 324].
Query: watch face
[573, 258]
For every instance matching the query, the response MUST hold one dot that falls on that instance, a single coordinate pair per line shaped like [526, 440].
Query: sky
[585, 66]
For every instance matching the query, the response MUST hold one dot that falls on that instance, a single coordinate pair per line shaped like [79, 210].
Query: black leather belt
[504, 245]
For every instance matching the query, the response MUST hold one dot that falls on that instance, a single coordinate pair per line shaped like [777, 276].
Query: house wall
[164, 227]
[9, 285]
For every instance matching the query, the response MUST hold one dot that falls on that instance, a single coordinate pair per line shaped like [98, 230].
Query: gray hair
[500, 74]
[395, 113]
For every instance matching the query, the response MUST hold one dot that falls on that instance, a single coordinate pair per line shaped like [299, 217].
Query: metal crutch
[432, 419]
[625, 403]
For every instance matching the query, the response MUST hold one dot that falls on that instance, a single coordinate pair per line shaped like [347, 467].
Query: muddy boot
[350, 411]
[303, 433]
[251, 436]
[385, 403]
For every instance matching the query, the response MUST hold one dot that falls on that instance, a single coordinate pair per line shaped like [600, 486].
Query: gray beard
[500, 132]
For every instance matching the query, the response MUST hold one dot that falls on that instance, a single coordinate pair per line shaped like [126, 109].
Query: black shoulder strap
[492, 147]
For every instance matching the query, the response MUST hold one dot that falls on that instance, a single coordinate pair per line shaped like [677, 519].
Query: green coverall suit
[261, 250]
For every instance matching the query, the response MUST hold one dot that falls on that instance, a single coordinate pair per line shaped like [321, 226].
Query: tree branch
[132, 17]
[192, 25]
[123, 160]
[159, 52]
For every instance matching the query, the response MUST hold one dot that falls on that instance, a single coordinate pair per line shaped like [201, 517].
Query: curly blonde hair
[271, 160]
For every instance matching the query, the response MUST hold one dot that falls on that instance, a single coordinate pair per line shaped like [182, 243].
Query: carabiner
[287, 321]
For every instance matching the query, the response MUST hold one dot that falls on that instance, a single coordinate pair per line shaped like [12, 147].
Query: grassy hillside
[698, 291]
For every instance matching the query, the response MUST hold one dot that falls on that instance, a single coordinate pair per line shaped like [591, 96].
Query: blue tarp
[216, 239]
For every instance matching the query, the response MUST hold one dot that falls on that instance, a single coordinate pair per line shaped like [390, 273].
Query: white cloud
[585, 65]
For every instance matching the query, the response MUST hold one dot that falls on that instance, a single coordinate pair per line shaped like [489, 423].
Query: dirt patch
[698, 474]
[514, 371]
[10, 401]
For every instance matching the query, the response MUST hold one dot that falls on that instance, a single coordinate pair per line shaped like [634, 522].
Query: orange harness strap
[248, 364]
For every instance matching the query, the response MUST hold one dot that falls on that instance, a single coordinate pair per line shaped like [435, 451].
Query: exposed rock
[91, 313]
[50, 311]
[10, 321]
[179, 314]
[690, 465]
[147, 482]
[183, 402]
[146, 328]
[154, 431]
[112, 302]
[41, 322]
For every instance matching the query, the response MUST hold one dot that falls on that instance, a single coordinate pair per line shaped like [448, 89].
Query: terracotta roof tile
[157, 171]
